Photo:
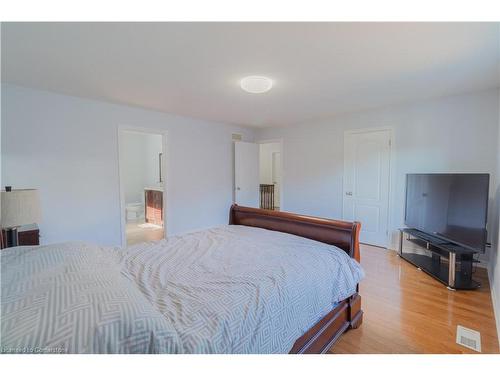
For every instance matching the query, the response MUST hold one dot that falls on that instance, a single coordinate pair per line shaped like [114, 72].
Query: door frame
[164, 172]
[282, 169]
[390, 193]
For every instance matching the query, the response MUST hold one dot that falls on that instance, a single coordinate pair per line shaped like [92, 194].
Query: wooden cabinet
[153, 207]
[26, 236]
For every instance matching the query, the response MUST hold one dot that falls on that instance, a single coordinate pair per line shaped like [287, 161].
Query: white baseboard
[495, 301]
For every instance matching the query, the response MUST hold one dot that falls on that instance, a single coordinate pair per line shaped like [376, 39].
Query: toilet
[134, 211]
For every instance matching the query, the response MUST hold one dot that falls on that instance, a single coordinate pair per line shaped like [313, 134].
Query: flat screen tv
[453, 207]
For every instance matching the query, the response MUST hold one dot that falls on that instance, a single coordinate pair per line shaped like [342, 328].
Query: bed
[269, 282]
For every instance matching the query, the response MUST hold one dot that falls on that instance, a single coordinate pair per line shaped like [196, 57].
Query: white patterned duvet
[231, 289]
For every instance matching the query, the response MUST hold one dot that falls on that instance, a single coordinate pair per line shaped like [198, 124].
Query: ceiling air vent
[469, 338]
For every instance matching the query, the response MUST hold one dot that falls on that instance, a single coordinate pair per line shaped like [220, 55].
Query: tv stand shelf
[447, 262]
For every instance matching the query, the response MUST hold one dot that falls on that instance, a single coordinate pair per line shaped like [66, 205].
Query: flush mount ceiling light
[256, 84]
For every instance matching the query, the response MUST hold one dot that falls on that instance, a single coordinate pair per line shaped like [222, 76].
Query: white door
[366, 183]
[246, 174]
[276, 175]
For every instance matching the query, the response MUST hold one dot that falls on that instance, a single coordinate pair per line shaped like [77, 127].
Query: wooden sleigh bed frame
[345, 235]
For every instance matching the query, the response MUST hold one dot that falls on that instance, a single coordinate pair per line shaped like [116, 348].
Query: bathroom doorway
[142, 185]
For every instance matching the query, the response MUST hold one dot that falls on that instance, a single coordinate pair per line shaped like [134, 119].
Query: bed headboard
[343, 234]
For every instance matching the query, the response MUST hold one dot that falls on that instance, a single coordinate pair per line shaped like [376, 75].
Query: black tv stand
[446, 261]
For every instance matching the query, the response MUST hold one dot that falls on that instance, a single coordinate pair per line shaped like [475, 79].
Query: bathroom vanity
[153, 208]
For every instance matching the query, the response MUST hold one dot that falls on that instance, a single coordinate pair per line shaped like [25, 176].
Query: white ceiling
[193, 69]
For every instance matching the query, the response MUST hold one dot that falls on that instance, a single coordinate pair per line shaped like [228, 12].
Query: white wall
[494, 271]
[450, 134]
[140, 163]
[68, 148]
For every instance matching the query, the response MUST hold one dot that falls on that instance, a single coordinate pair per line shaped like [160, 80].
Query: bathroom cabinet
[153, 208]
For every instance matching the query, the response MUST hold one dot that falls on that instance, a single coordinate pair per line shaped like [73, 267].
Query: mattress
[230, 289]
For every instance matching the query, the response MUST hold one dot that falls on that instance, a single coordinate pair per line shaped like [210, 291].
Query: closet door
[366, 183]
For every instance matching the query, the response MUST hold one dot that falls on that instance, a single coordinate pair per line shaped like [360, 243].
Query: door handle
[238, 188]
[348, 193]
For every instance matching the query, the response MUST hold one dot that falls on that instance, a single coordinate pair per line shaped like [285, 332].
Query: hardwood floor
[407, 311]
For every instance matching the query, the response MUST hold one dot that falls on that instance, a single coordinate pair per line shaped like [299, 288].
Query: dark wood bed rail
[342, 234]
[345, 235]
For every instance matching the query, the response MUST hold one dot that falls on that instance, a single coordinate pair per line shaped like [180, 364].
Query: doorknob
[348, 193]
[238, 188]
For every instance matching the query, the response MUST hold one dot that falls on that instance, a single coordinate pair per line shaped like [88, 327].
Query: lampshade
[20, 207]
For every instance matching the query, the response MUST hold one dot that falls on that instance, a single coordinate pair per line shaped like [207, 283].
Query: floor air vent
[469, 338]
